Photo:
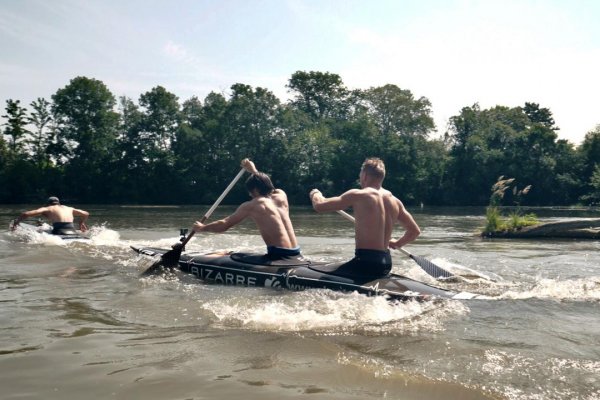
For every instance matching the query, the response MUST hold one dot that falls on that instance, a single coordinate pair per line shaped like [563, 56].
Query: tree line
[87, 146]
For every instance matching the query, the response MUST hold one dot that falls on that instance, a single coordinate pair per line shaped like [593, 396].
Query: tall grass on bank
[495, 221]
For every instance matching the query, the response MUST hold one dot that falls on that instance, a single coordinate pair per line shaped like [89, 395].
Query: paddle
[426, 265]
[171, 258]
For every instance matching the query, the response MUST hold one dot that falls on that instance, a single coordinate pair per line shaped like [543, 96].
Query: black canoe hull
[232, 270]
[40, 229]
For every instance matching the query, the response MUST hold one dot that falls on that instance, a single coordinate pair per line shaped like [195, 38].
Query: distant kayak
[246, 269]
[44, 228]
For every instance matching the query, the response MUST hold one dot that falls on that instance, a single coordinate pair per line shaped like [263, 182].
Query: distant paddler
[61, 217]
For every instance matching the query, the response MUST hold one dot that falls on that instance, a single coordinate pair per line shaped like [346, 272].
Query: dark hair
[52, 200]
[261, 182]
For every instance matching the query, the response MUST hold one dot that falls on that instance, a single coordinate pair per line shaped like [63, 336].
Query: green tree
[396, 111]
[194, 153]
[161, 117]
[131, 179]
[568, 184]
[86, 127]
[319, 94]
[539, 115]
[15, 127]
[432, 160]
[548, 163]
[465, 141]
[3, 169]
[592, 196]
[519, 142]
[310, 155]
[83, 111]
[403, 124]
[158, 151]
[192, 112]
[129, 134]
[204, 147]
[212, 124]
[253, 118]
[160, 122]
[589, 151]
[3, 153]
[355, 140]
[19, 178]
[41, 138]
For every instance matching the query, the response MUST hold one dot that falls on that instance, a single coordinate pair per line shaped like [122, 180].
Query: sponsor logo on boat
[294, 286]
[375, 288]
[272, 282]
[372, 290]
[225, 278]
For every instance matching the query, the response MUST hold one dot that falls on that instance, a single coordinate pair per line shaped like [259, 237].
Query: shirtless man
[60, 216]
[376, 210]
[269, 209]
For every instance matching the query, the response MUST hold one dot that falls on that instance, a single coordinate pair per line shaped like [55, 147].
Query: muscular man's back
[271, 215]
[59, 213]
[376, 211]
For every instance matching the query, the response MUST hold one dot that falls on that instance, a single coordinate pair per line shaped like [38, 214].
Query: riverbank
[568, 229]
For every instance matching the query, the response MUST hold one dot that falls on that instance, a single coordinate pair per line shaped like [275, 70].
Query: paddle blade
[168, 260]
[431, 268]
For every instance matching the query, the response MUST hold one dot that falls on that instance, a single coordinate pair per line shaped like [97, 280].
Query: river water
[77, 321]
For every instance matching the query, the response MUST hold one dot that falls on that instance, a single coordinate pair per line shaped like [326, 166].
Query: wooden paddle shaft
[222, 196]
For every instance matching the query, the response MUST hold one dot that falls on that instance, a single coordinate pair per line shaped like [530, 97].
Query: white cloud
[175, 50]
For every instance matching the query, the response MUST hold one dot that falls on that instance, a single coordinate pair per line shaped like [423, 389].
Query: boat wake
[328, 312]
[575, 289]
[97, 235]
[498, 288]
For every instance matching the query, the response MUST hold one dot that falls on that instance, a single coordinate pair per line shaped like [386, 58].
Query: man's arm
[249, 166]
[27, 214]
[323, 204]
[224, 224]
[412, 230]
[83, 215]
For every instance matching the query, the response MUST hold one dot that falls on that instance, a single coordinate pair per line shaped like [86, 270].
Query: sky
[453, 52]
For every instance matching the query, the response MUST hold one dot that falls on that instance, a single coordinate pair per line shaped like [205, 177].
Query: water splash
[103, 236]
[37, 235]
[576, 289]
[326, 311]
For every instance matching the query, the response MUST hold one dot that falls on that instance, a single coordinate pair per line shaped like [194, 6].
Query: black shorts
[367, 263]
[63, 228]
[281, 253]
